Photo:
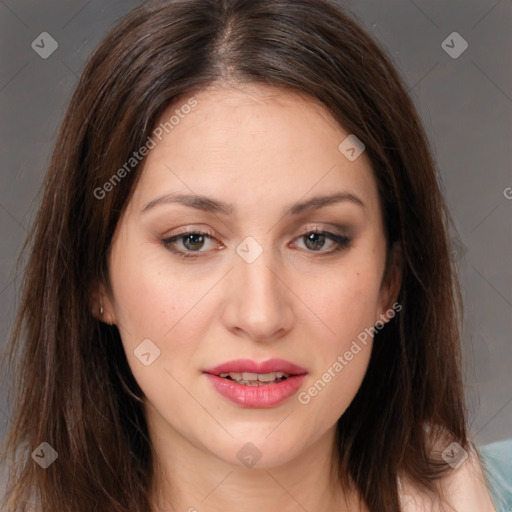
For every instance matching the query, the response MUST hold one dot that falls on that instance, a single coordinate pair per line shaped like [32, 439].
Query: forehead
[249, 144]
[249, 118]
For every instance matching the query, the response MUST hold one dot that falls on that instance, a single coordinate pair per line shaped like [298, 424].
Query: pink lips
[263, 396]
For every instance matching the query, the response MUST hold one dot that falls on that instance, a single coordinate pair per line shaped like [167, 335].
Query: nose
[258, 301]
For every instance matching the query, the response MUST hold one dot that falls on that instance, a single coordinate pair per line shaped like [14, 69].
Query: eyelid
[185, 230]
[327, 227]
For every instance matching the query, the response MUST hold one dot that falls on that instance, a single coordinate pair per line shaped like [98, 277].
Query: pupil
[313, 237]
[195, 239]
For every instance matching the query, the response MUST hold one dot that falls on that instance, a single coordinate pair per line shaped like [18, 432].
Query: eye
[316, 240]
[190, 242]
[193, 244]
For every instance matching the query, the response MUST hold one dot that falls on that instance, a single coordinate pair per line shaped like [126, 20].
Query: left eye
[315, 241]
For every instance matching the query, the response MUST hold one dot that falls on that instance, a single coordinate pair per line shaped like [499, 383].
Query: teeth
[268, 377]
[254, 378]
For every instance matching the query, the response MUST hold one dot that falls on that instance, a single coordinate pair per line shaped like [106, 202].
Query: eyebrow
[211, 205]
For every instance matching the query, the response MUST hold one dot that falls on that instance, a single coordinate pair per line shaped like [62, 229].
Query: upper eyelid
[190, 231]
[314, 226]
[211, 234]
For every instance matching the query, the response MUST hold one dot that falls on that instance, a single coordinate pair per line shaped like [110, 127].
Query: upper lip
[250, 366]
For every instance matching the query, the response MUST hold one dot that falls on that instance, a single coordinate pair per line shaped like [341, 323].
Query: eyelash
[341, 242]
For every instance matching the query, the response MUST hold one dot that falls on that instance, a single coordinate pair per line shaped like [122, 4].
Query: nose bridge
[254, 269]
[259, 304]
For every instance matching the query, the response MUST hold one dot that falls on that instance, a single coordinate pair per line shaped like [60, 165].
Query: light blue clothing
[497, 464]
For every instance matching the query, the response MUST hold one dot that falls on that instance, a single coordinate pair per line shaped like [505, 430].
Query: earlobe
[101, 305]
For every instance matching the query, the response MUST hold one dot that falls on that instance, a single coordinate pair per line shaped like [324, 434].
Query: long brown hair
[73, 388]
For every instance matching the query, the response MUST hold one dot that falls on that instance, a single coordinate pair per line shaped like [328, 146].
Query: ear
[390, 286]
[101, 304]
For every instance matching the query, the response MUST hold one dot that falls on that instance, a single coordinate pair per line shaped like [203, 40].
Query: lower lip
[263, 396]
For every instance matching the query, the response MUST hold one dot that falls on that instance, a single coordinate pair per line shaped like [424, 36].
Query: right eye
[187, 243]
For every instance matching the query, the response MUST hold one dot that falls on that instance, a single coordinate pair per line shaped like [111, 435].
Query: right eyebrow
[204, 203]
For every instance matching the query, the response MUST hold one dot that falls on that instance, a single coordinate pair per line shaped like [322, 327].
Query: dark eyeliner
[341, 241]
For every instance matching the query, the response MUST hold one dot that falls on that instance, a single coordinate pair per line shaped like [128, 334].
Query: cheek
[347, 303]
[153, 301]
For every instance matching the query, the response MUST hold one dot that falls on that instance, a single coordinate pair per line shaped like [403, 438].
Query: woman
[239, 293]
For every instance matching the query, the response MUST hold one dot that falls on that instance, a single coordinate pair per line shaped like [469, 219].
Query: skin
[260, 150]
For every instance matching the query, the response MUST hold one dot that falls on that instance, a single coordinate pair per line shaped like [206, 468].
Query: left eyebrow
[209, 204]
[317, 202]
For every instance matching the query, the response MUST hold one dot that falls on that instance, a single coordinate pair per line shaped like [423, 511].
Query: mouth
[256, 379]
[256, 385]
[249, 372]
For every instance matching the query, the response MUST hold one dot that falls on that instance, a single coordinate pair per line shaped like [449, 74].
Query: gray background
[465, 103]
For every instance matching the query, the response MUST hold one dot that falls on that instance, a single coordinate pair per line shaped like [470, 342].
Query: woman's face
[252, 168]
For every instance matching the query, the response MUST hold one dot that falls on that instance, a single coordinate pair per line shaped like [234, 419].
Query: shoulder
[496, 461]
[463, 489]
